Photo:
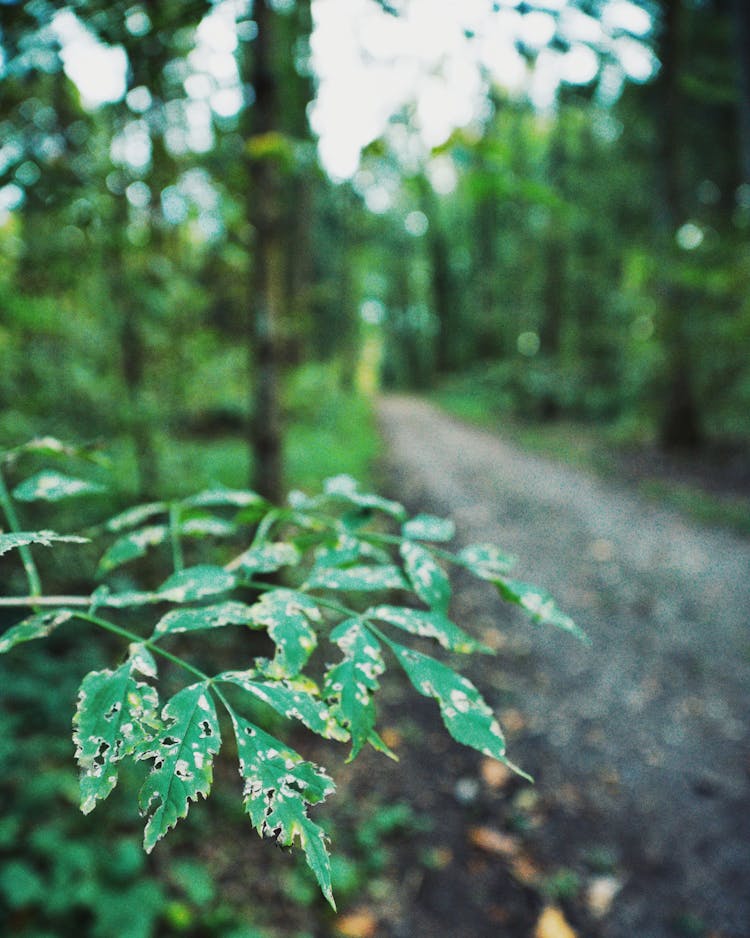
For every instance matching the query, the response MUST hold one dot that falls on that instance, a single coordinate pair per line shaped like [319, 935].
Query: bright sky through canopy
[435, 61]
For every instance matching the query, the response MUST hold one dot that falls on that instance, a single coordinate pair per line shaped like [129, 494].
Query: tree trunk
[741, 22]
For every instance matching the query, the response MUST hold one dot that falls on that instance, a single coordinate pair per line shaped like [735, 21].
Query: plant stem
[178, 561]
[32, 574]
[152, 646]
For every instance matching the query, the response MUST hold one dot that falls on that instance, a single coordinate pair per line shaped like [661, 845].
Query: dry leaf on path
[552, 924]
[359, 924]
[494, 774]
[492, 840]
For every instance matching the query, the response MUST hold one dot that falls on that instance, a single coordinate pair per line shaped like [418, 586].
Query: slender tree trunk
[268, 280]
[680, 420]
[741, 31]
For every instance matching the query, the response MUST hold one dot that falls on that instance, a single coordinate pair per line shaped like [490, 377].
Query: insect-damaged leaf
[204, 617]
[287, 615]
[197, 583]
[486, 561]
[183, 760]
[466, 715]
[279, 786]
[345, 488]
[133, 545]
[538, 605]
[40, 625]
[428, 625]
[45, 538]
[116, 713]
[362, 578]
[428, 579]
[290, 701]
[51, 486]
[351, 683]
[429, 528]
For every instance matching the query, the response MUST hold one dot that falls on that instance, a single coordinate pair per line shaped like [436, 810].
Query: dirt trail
[640, 744]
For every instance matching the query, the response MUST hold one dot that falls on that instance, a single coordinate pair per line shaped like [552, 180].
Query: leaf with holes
[289, 700]
[183, 761]
[288, 615]
[429, 528]
[345, 487]
[45, 538]
[428, 625]
[351, 684]
[51, 486]
[428, 579]
[116, 714]
[538, 605]
[279, 786]
[40, 625]
[464, 711]
[197, 582]
[131, 546]
[205, 617]
[486, 561]
[359, 579]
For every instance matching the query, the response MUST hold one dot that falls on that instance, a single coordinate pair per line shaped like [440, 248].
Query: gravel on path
[639, 744]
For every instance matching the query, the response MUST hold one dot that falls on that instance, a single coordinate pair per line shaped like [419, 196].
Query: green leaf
[23, 538]
[428, 579]
[351, 683]
[289, 700]
[345, 487]
[131, 546]
[204, 617]
[429, 528]
[466, 715]
[279, 786]
[207, 526]
[235, 498]
[538, 605]
[183, 761]
[347, 550]
[197, 583]
[287, 615]
[363, 578]
[39, 625]
[266, 558]
[51, 486]
[486, 561]
[116, 714]
[428, 625]
[132, 517]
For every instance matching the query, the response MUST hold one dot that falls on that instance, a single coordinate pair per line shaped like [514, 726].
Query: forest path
[639, 744]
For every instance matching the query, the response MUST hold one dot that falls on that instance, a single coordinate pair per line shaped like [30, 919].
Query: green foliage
[328, 555]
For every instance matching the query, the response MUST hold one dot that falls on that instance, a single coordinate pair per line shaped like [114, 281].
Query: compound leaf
[116, 713]
[429, 528]
[266, 558]
[40, 625]
[197, 582]
[428, 625]
[289, 700]
[428, 579]
[466, 715]
[362, 578]
[486, 561]
[183, 760]
[351, 683]
[45, 538]
[51, 486]
[287, 615]
[279, 786]
[538, 605]
[204, 617]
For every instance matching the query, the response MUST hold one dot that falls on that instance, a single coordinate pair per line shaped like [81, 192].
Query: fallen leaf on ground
[601, 893]
[359, 924]
[525, 871]
[494, 774]
[512, 720]
[492, 840]
[391, 737]
[552, 924]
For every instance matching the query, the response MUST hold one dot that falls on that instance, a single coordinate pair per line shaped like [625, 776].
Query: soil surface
[638, 825]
